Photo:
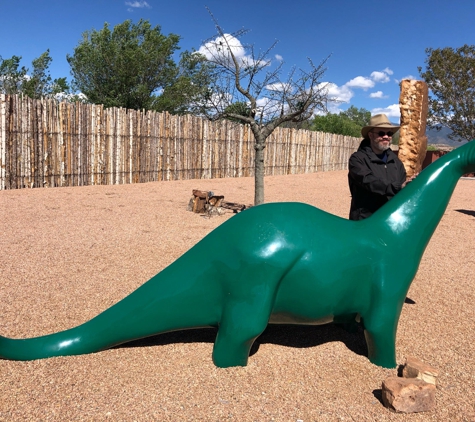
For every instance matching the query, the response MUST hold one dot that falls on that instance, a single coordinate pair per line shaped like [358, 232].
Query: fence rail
[45, 143]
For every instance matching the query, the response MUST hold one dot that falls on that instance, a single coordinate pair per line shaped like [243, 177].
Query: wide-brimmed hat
[379, 121]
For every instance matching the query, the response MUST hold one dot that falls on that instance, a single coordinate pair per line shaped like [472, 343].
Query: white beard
[380, 147]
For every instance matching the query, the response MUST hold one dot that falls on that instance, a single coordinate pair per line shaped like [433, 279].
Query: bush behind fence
[45, 143]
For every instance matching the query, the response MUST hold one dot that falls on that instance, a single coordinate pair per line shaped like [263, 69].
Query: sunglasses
[382, 133]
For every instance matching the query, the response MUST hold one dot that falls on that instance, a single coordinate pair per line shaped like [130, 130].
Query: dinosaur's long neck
[412, 216]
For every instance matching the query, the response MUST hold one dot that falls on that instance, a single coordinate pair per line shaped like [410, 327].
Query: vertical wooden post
[413, 103]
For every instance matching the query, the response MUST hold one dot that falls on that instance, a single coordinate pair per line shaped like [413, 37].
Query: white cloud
[138, 4]
[279, 57]
[279, 87]
[365, 83]
[360, 82]
[339, 93]
[377, 94]
[344, 93]
[390, 111]
[333, 108]
[406, 77]
[220, 45]
[263, 104]
[381, 77]
[268, 107]
[218, 49]
[61, 96]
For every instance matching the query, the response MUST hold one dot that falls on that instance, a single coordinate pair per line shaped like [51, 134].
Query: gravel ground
[69, 253]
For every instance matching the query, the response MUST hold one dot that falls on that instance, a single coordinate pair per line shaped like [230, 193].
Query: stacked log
[207, 202]
[413, 103]
[202, 200]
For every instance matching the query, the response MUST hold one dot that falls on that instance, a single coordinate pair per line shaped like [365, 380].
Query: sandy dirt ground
[70, 253]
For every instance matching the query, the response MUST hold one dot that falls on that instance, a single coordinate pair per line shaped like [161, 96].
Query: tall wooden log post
[413, 103]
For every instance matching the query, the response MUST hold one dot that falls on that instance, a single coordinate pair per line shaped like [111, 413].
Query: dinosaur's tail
[58, 344]
[174, 299]
[102, 332]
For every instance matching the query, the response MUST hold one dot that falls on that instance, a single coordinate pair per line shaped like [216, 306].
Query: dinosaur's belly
[286, 318]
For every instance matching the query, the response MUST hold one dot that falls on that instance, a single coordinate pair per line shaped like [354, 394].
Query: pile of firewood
[206, 202]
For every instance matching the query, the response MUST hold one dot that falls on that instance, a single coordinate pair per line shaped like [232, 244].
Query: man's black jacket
[372, 181]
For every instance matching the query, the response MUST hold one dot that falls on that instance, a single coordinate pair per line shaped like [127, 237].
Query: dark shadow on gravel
[467, 212]
[378, 394]
[298, 336]
[400, 368]
[303, 336]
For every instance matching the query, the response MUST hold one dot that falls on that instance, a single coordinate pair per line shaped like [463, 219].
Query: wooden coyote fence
[44, 143]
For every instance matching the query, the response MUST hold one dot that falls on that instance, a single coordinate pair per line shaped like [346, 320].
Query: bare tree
[249, 88]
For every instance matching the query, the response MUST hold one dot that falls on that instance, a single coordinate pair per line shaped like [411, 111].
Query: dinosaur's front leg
[380, 332]
[245, 315]
[240, 326]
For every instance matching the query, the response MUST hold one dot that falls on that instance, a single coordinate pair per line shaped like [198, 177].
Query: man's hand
[409, 179]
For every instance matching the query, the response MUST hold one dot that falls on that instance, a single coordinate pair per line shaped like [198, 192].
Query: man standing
[375, 172]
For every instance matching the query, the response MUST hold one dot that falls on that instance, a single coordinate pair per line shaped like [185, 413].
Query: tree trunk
[259, 174]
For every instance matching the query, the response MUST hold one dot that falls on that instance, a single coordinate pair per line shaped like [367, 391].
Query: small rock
[415, 368]
[408, 395]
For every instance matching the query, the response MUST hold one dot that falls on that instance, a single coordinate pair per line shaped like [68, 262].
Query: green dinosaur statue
[283, 263]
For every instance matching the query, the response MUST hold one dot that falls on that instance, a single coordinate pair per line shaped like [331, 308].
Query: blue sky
[373, 44]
